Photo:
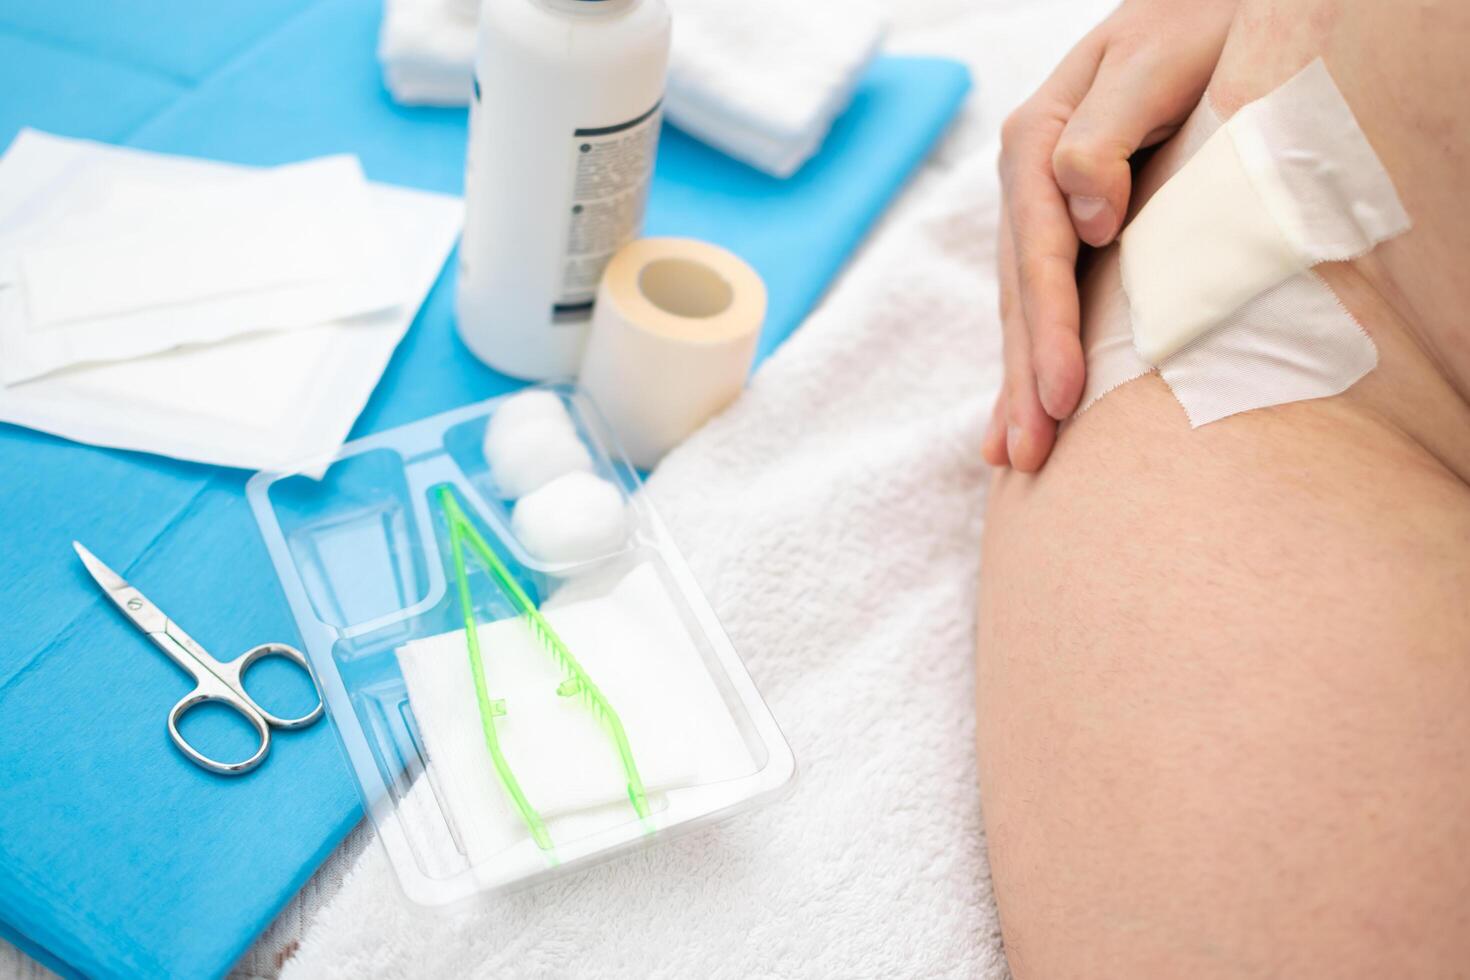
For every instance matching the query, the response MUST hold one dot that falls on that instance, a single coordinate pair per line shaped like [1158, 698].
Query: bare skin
[1224, 674]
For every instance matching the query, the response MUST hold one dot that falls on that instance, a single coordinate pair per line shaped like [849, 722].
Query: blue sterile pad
[118, 856]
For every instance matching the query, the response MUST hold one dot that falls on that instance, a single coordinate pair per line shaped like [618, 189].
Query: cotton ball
[532, 446]
[524, 406]
[575, 517]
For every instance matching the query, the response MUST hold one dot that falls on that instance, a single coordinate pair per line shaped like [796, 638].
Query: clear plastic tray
[477, 785]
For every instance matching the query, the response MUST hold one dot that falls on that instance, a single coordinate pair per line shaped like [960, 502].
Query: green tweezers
[576, 683]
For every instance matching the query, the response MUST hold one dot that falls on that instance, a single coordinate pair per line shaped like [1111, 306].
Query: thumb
[1127, 107]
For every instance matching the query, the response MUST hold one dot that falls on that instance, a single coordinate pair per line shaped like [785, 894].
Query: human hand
[1065, 178]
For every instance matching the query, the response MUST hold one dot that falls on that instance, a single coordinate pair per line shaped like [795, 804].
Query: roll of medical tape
[673, 336]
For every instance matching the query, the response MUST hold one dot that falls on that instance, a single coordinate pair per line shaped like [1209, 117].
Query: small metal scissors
[217, 681]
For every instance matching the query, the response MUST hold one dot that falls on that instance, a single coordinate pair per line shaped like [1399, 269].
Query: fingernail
[1094, 219]
[1086, 208]
[1044, 391]
[1014, 438]
[992, 437]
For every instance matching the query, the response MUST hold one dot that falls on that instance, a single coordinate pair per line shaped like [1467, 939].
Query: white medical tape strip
[1315, 170]
[1291, 342]
[1288, 182]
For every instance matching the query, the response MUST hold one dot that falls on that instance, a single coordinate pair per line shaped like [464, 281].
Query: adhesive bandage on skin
[1288, 182]
[1211, 286]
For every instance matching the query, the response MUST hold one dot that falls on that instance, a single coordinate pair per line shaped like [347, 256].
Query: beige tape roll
[673, 336]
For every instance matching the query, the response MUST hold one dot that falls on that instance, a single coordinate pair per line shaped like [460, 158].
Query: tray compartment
[354, 538]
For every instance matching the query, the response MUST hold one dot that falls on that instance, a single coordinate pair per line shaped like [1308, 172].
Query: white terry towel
[761, 80]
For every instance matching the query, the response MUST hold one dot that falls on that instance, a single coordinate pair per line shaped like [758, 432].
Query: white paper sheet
[110, 255]
[260, 401]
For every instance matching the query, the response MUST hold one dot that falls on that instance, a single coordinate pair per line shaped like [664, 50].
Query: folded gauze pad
[1287, 182]
[532, 440]
[634, 642]
[576, 517]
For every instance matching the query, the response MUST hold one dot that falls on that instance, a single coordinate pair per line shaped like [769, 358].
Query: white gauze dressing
[1211, 284]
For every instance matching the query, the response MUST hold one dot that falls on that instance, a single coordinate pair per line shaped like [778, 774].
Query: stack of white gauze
[1217, 293]
[761, 80]
[633, 644]
[206, 311]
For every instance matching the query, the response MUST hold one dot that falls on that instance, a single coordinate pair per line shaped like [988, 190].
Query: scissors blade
[134, 604]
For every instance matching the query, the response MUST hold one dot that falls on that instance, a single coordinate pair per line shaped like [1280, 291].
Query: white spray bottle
[563, 131]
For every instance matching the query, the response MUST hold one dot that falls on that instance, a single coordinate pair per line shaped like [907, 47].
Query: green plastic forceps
[576, 682]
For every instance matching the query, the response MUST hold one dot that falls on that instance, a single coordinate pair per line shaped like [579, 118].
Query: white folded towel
[761, 80]
[427, 50]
